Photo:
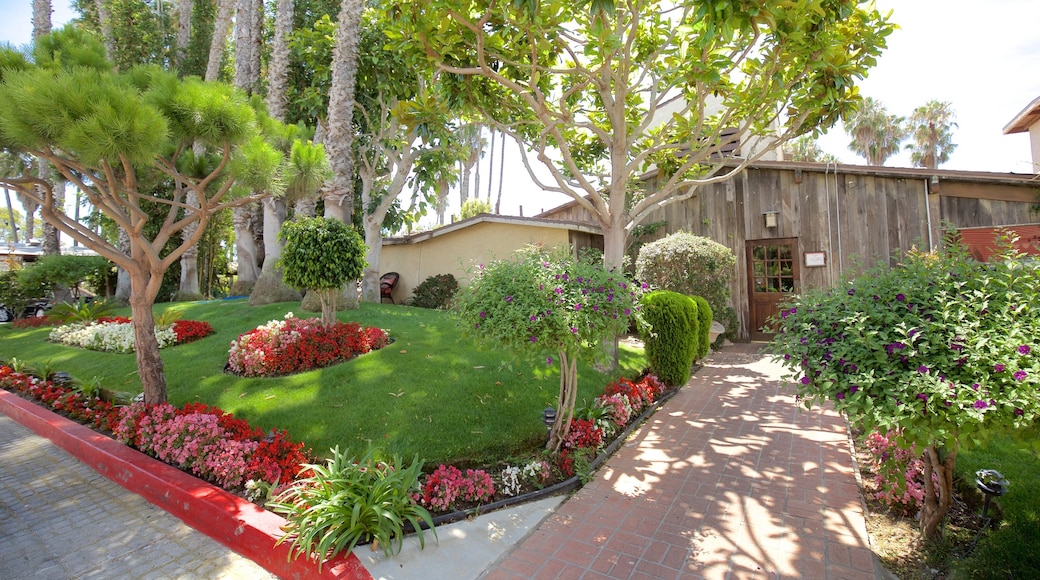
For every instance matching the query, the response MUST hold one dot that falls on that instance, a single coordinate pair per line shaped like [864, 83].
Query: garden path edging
[240, 525]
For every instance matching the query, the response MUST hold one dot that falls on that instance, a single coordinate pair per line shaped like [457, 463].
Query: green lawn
[429, 393]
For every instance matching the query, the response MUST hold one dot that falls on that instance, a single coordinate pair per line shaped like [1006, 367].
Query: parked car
[35, 308]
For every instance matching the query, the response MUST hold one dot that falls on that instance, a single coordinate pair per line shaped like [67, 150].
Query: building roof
[490, 218]
[1025, 119]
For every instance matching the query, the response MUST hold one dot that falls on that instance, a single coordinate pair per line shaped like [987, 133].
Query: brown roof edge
[491, 218]
[1025, 119]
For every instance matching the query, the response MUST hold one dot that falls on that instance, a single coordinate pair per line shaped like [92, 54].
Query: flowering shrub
[34, 322]
[898, 481]
[210, 444]
[443, 488]
[619, 409]
[77, 405]
[293, 345]
[510, 480]
[640, 394]
[116, 334]
[583, 434]
[548, 304]
[537, 472]
[940, 346]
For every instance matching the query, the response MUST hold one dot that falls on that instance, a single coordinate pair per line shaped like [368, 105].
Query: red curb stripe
[240, 525]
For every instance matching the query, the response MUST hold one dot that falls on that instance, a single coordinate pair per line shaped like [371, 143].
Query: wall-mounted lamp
[771, 218]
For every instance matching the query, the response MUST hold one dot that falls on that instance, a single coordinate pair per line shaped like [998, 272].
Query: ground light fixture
[992, 484]
[549, 418]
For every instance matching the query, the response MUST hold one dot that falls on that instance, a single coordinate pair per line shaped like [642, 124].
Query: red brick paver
[730, 479]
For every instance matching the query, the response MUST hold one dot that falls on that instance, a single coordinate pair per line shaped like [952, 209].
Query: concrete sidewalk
[61, 519]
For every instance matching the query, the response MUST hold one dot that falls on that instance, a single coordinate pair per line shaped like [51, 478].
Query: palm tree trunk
[339, 191]
[278, 73]
[221, 26]
[10, 216]
[105, 22]
[41, 18]
[184, 8]
[501, 169]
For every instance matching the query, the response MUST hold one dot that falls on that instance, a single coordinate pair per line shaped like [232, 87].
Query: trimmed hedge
[704, 318]
[672, 341]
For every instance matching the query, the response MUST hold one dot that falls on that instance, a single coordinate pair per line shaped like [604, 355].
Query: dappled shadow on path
[730, 479]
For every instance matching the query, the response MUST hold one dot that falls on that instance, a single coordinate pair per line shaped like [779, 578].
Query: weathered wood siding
[858, 216]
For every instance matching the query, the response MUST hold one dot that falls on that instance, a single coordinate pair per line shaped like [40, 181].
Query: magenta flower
[483, 314]
[922, 369]
[1024, 349]
[1020, 375]
[998, 368]
[980, 404]
[1019, 412]
[509, 298]
[577, 307]
[548, 361]
[805, 380]
[901, 297]
[534, 339]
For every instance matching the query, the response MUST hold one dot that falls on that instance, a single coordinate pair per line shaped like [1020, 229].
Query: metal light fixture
[992, 484]
[549, 418]
[770, 218]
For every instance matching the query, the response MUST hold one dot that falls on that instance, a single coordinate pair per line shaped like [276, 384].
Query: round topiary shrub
[703, 327]
[671, 342]
[691, 265]
[435, 291]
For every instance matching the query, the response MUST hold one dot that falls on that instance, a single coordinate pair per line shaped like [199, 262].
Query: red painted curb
[240, 525]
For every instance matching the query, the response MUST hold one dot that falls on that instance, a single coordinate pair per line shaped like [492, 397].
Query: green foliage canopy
[321, 254]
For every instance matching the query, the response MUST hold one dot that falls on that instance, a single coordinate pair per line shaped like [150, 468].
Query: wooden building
[801, 225]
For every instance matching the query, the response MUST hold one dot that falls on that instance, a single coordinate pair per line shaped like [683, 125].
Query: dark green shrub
[435, 291]
[671, 343]
[703, 327]
[691, 265]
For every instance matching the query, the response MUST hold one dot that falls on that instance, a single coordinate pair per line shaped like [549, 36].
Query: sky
[982, 57]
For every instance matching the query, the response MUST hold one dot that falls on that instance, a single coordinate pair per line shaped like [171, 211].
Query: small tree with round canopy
[322, 254]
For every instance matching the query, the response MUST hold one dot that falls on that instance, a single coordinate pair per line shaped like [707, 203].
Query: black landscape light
[992, 484]
[549, 418]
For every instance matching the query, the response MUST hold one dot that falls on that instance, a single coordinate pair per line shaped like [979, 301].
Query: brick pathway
[730, 479]
[61, 519]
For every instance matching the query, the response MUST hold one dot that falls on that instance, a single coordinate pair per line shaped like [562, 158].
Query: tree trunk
[105, 23]
[501, 169]
[10, 216]
[41, 18]
[122, 276]
[339, 191]
[146, 346]
[244, 16]
[938, 492]
[269, 286]
[564, 401]
[221, 26]
[51, 235]
[189, 283]
[245, 248]
[278, 72]
[184, 8]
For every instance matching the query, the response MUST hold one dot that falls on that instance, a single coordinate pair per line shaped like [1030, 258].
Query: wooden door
[772, 276]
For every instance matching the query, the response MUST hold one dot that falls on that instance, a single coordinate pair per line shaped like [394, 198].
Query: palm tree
[221, 26]
[930, 127]
[51, 240]
[876, 135]
[805, 148]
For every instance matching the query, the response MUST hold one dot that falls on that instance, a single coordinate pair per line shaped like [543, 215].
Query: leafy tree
[105, 133]
[547, 302]
[603, 93]
[942, 349]
[322, 254]
[805, 148]
[876, 135]
[691, 265]
[930, 127]
[71, 272]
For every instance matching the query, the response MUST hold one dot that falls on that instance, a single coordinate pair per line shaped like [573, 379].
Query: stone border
[240, 525]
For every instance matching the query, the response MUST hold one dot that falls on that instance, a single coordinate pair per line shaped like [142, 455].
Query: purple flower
[852, 292]
[1020, 375]
[558, 290]
[1024, 349]
[901, 297]
[483, 314]
[853, 389]
[980, 404]
[922, 369]
[974, 386]
[574, 330]
[509, 298]
[839, 396]
[998, 368]
[923, 397]
[548, 360]
[876, 298]
[577, 307]
[533, 318]
[628, 311]
[534, 339]
[1019, 412]
[806, 380]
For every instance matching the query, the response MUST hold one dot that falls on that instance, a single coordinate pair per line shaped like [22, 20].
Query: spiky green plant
[81, 313]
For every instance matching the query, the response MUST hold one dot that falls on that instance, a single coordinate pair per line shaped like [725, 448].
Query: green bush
[703, 327]
[348, 501]
[671, 343]
[691, 265]
[435, 292]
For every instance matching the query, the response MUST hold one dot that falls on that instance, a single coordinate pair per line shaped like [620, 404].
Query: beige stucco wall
[456, 252]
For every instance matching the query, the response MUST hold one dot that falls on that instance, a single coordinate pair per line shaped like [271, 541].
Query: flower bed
[202, 440]
[116, 334]
[293, 345]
